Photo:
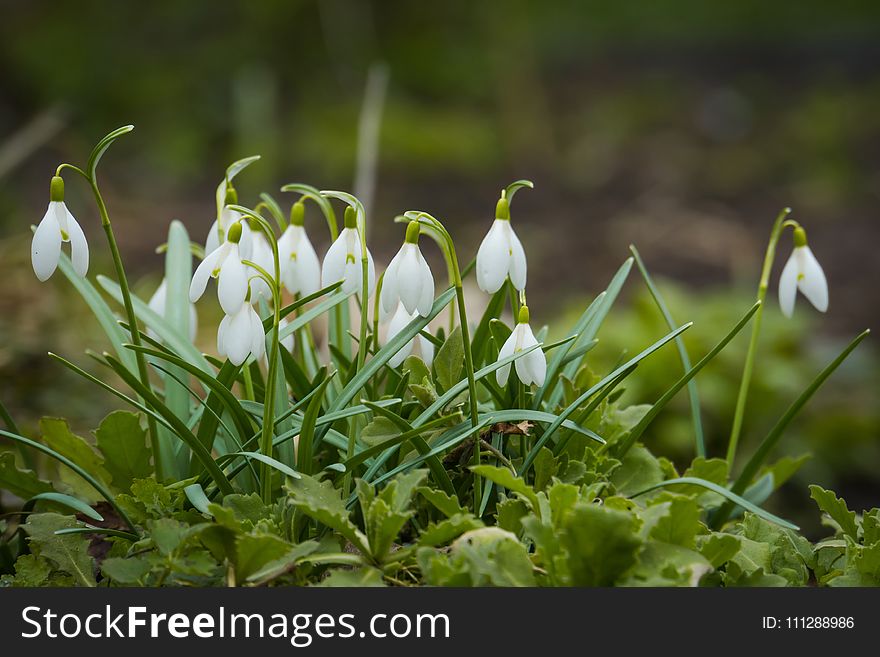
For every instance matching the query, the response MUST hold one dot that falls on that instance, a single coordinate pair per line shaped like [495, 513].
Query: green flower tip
[502, 209]
[412, 232]
[56, 189]
[298, 214]
[350, 217]
[231, 195]
[800, 237]
[234, 234]
[523, 315]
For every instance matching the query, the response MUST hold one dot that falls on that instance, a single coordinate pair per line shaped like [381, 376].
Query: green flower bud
[298, 214]
[502, 209]
[234, 234]
[350, 217]
[412, 232]
[231, 195]
[523, 315]
[800, 237]
[56, 189]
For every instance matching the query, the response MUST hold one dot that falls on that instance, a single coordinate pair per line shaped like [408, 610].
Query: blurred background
[683, 127]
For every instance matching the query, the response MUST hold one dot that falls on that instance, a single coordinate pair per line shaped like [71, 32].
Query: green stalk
[778, 226]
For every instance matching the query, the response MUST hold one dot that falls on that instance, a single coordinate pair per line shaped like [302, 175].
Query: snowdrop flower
[802, 272]
[241, 335]
[288, 341]
[300, 268]
[531, 368]
[220, 227]
[58, 226]
[224, 263]
[398, 322]
[157, 305]
[343, 259]
[408, 279]
[261, 254]
[501, 254]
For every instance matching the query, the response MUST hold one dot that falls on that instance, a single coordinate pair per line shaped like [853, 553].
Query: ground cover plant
[363, 428]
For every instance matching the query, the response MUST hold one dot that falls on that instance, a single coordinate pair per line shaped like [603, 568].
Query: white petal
[371, 274]
[246, 243]
[409, 279]
[212, 242]
[157, 301]
[517, 261]
[531, 368]
[812, 284]
[221, 336]
[233, 282]
[79, 247]
[46, 245]
[258, 335]
[502, 374]
[398, 322]
[333, 269]
[426, 301]
[289, 341]
[493, 258]
[237, 336]
[788, 285]
[262, 255]
[308, 268]
[205, 270]
[351, 276]
[426, 348]
[389, 296]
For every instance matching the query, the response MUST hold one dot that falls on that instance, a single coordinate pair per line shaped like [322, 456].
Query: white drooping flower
[802, 272]
[408, 279]
[224, 263]
[424, 347]
[58, 225]
[530, 368]
[157, 305]
[240, 335]
[261, 254]
[288, 342]
[343, 260]
[300, 267]
[501, 254]
[220, 228]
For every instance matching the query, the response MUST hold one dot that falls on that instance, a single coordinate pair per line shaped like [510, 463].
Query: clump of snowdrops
[357, 426]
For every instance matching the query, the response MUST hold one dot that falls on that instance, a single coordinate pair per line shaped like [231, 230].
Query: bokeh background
[681, 126]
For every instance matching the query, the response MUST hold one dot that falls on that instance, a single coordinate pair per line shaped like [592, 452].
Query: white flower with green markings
[224, 264]
[157, 305]
[530, 368]
[343, 260]
[300, 267]
[408, 279]
[228, 218]
[423, 347]
[802, 272]
[57, 226]
[241, 335]
[501, 254]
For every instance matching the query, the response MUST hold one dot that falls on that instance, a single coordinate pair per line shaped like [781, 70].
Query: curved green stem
[736, 430]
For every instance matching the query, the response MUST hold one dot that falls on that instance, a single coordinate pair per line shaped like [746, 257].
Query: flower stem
[143, 374]
[770, 255]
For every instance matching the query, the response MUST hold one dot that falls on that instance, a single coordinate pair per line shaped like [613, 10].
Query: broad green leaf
[68, 553]
[449, 361]
[57, 436]
[719, 548]
[507, 479]
[601, 544]
[253, 552]
[379, 430]
[359, 577]
[836, 508]
[639, 470]
[448, 505]
[322, 502]
[680, 525]
[123, 443]
[127, 571]
[22, 483]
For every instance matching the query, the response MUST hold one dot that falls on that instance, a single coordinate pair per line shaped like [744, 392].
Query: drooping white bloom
[343, 262]
[398, 322]
[531, 368]
[58, 225]
[408, 279]
[241, 335]
[300, 267]
[802, 272]
[157, 305]
[225, 264]
[501, 254]
[220, 228]
[261, 254]
[288, 342]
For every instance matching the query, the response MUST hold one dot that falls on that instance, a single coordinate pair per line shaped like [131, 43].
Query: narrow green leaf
[64, 500]
[101, 148]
